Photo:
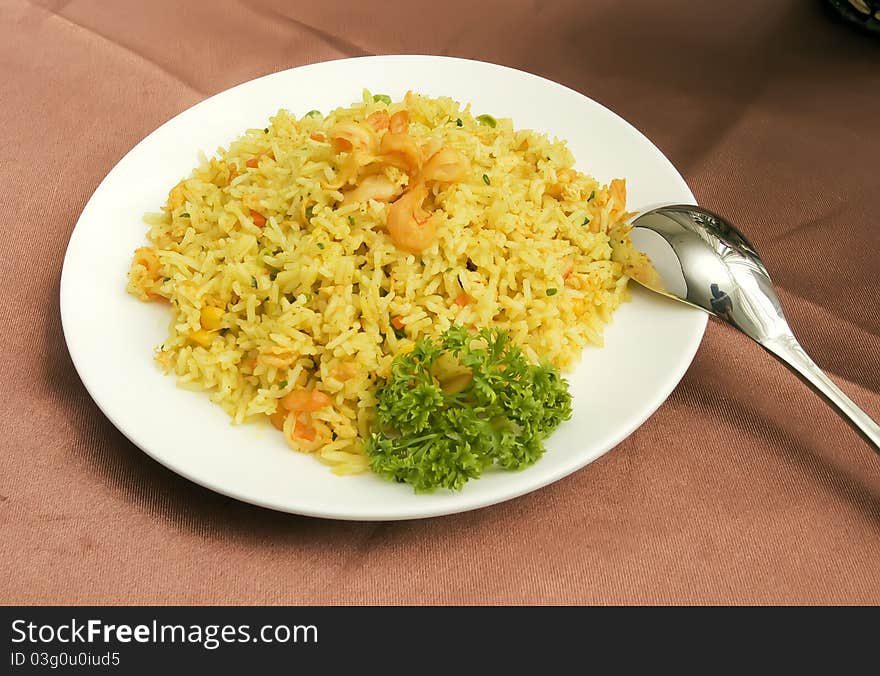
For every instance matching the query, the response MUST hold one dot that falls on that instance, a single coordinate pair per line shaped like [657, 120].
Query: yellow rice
[306, 300]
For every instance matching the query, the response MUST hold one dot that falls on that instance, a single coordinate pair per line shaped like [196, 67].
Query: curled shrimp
[446, 165]
[374, 187]
[349, 136]
[400, 150]
[399, 122]
[411, 227]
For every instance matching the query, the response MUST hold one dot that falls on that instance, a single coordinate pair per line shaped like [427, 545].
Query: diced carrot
[253, 162]
[398, 122]
[301, 431]
[318, 136]
[462, 299]
[567, 273]
[397, 322]
[279, 417]
[258, 218]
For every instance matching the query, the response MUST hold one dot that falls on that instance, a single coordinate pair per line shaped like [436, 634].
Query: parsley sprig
[431, 438]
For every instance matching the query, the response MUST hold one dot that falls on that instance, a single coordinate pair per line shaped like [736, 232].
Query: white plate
[111, 335]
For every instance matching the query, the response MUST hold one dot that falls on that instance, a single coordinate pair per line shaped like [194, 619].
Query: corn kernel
[201, 337]
[210, 317]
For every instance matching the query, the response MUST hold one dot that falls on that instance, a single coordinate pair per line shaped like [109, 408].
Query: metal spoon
[704, 261]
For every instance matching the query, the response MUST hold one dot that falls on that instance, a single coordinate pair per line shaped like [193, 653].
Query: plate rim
[687, 353]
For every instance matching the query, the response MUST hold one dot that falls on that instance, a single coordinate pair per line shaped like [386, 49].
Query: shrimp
[446, 165]
[350, 136]
[305, 400]
[400, 150]
[399, 122]
[411, 228]
[306, 434]
[378, 120]
[375, 187]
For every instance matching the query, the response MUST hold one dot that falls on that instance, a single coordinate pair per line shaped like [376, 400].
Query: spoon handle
[789, 352]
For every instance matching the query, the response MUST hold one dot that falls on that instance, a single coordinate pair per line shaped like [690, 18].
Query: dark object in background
[865, 13]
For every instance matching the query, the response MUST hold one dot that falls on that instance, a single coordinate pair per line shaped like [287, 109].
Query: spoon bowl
[699, 258]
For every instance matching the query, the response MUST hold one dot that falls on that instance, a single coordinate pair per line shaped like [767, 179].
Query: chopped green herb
[321, 245]
[254, 282]
[486, 179]
[313, 113]
[384, 98]
[551, 292]
[399, 333]
[266, 130]
[310, 210]
[282, 384]
[224, 331]
[184, 215]
[592, 195]
[586, 221]
[431, 437]
[274, 274]
[167, 279]
[351, 220]
[487, 120]
[459, 123]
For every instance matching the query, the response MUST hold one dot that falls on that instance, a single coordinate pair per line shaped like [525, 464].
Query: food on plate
[309, 263]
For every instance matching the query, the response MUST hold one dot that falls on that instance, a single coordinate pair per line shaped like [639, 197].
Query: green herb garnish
[586, 221]
[459, 123]
[254, 282]
[266, 130]
[310, 210]
[351, 220]
[438, 431]
[487, 120]
[486, 179]
[384, 98]
[313, 113]
[551, 292]
[184, 215]
[282, 384]
[592, 195]
[321, 245]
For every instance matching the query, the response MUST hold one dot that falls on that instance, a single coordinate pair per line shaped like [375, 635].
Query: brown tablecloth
[743, 488]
